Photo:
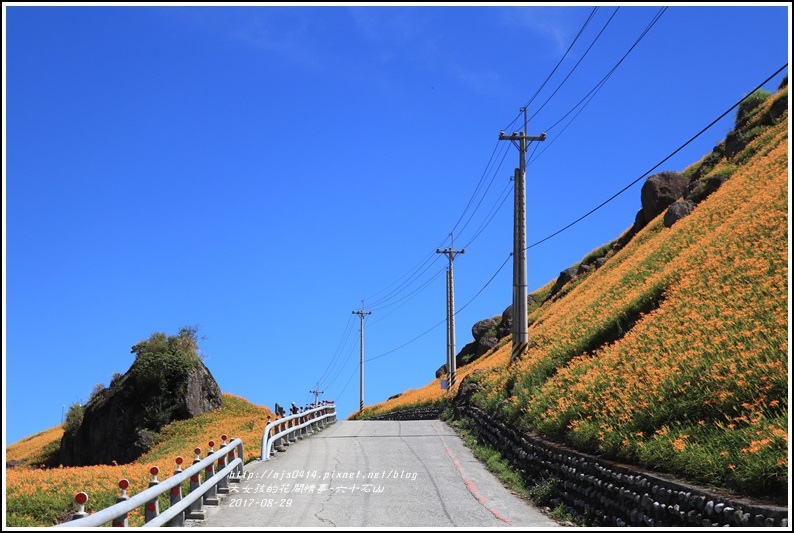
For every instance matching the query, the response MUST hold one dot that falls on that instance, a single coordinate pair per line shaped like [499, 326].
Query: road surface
[373, 474]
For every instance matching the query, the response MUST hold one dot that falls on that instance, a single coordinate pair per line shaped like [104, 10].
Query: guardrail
[278, 434]
[230, 468]
[281, 432]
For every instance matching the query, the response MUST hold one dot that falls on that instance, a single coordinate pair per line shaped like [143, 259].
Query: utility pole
[520, 335]
[361, 314]
[316, 393]
[450, 253]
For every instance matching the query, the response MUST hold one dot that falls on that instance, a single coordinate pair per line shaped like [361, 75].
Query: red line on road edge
[469, 483]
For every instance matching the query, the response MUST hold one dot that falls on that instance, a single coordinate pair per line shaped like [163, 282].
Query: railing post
[121, 521]
[285, 425]
[299, 432]
[80, 499]
[223, 484]
[176, 497]
[311, 427]
[211, 496]
[306, 430]
[292, 434]
[281, 442]
[152, 508]
[238, 470]
[266, 441]
[194, 510]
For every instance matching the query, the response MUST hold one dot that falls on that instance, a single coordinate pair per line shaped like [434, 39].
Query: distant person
[293, 409]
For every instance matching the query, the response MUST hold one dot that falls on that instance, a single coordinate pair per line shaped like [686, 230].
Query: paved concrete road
[373, 474]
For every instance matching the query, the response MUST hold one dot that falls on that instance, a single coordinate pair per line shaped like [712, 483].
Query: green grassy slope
[674, 354]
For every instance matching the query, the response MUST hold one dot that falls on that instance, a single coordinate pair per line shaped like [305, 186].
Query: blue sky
[258, 171]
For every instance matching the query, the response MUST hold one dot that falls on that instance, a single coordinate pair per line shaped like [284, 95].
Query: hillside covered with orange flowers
[39, 496]
[673, 355]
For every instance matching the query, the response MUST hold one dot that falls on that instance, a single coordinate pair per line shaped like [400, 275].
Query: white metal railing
[277, 435]
[284, 431]
[180, 507]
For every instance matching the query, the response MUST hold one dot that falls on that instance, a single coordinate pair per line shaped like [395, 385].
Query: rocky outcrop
[697, 191]
[487, 333]
[565, 276]
[506, 326]
[678, 210]
[120, 423]
[661, 190]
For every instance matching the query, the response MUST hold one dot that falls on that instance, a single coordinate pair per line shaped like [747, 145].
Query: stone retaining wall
[609, 494]
[606, 493]
[416, 413]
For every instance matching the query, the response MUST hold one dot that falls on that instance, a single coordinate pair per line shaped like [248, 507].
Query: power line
[589, 212]
[589, 98]
[624, 189]
[338, 349]
[600, 84]
[416, 273]
[435, 326]
[570, 47]
[480, 183]
[576, 65]
[405, 298]
[338, 396]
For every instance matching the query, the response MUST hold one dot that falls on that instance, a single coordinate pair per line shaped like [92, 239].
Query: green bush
[161, 358]
[543, 492]
[749, 104]
[74, 417]
[161, 362]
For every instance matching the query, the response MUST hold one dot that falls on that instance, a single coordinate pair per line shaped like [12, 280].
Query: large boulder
[565, 276]
[661, 190]
[677, 210]
[482, 327]
[485, 344]
[120, 422]
[506, 327]
[467, 354]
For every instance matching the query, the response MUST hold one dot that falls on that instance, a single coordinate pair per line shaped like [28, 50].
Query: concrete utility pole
[316, 393]
[520, 335]
[361, 314]
[451, 364]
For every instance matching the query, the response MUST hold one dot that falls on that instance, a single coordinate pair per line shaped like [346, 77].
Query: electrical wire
[589, 212]
[581, 30]
[338, 351]
[576, 65]
[415, 273]
[634, 182]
